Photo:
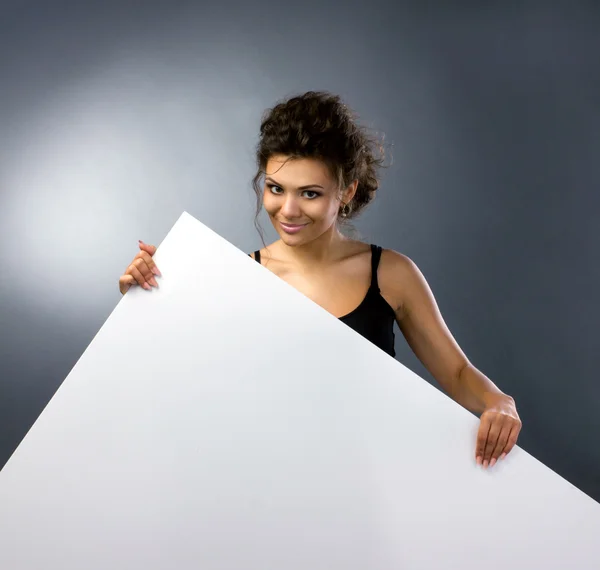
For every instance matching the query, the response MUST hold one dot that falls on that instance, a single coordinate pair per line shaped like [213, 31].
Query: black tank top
[374, 318]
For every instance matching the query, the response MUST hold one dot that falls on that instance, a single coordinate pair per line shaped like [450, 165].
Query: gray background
[117, 116]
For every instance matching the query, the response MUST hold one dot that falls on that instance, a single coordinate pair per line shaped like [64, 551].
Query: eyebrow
[269, 179]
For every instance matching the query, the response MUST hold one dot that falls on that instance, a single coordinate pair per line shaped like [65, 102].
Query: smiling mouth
[291, 228]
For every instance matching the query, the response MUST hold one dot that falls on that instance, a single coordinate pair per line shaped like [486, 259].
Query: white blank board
[225, 421]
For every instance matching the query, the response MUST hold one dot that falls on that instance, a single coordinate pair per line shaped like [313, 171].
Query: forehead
[298, 171]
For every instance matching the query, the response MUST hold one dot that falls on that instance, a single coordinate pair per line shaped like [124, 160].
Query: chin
[292, 239]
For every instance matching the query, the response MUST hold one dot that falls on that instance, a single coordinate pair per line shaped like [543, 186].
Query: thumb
[482, 436]
[151, 249]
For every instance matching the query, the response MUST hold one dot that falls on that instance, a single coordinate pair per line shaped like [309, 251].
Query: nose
[290, 208]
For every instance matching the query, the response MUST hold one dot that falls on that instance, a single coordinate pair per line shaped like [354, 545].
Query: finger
[482, 434]
[150, 249]
[500, 444]
[125, 282]
[512, 439]
[492, 440]
[135, 272]
[149, 262]
[143, 268]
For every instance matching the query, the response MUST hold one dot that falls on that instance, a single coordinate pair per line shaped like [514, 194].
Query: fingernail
[479, 460]
[485, 464]
[146, 286]
[493, 462]
[503, 456]
[153, 282]
[156, 271]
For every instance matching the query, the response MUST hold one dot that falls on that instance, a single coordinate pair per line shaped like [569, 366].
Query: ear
[349, 192]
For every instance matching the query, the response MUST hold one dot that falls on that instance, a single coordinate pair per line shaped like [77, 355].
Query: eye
[273, 188]
[278, 190]
[314, 194]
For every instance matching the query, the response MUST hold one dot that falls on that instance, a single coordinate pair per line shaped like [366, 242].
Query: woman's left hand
[499, 429]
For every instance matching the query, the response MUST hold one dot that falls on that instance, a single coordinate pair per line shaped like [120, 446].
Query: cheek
[321, 211]
[329, 210]
[268, 203]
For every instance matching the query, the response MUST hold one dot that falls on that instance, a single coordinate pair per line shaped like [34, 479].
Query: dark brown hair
[319, 125]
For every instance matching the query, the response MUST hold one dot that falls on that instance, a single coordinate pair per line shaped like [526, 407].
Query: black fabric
[374, 318]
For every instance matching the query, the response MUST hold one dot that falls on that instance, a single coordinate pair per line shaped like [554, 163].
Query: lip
[291, 228]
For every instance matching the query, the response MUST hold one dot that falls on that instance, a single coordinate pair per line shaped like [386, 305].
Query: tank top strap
[257, 255]
[375, 258]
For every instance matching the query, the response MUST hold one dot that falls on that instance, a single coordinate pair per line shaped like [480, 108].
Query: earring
[345, 211]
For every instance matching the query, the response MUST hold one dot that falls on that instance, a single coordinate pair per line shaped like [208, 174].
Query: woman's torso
[349, 289]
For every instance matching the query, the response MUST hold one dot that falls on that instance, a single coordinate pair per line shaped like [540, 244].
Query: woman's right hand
[141, 270]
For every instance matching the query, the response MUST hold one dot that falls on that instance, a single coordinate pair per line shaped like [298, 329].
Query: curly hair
[319, 125]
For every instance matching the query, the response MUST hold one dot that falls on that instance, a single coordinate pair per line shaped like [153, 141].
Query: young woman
[318, 168]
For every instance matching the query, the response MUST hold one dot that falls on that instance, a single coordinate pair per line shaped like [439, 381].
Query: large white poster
[225, 422]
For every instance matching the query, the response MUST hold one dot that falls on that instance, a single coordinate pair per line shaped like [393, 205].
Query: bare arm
[422, 325]
[426, 333]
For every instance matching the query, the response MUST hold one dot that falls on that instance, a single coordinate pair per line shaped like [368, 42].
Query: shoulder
[268, 252]
[395, 264]
[400, 279]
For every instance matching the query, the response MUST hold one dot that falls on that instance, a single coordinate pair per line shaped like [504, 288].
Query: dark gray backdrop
[116, 116]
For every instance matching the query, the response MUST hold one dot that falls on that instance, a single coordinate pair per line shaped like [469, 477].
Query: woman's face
[302, 198]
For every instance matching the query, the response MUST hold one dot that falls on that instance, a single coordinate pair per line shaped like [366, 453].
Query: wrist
[495, 399]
